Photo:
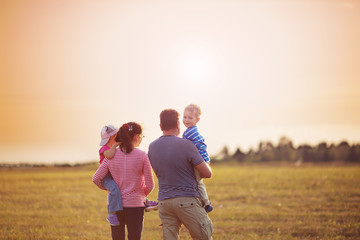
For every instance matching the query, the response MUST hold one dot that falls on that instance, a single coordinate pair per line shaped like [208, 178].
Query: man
[173, 160]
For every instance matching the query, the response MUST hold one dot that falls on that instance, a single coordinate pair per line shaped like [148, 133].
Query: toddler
[192, 114]
[108, 134]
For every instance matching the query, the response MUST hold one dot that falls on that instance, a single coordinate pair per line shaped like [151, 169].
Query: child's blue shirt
[193, 135]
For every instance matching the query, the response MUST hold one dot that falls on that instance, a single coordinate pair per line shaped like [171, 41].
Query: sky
[258, 69]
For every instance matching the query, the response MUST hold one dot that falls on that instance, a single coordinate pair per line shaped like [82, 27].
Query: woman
[132, 172]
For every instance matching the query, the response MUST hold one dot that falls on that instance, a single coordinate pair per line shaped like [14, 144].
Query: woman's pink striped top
[132, 172]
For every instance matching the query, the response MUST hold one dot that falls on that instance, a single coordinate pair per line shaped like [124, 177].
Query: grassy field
[251, 202]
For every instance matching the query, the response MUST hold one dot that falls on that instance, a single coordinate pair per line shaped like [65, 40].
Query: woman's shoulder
[138, 152]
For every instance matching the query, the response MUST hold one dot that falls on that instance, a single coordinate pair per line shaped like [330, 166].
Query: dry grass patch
[250, 202]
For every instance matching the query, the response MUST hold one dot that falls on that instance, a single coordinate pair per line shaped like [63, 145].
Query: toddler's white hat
[106, 132]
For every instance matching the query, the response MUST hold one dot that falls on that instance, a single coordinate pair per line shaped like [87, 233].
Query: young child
[192, 114]
[108, 134]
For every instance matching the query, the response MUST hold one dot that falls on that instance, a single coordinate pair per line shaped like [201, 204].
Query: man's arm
[204, 170]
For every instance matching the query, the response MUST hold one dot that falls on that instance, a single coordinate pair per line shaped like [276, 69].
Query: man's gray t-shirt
[173, 160]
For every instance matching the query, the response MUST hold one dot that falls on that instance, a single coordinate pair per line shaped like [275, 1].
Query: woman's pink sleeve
[149, 179]
[100, 174]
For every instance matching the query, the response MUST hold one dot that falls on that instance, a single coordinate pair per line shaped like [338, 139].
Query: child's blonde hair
[194, 108]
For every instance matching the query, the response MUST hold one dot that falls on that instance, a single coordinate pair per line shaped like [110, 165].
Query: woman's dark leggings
[133, 218]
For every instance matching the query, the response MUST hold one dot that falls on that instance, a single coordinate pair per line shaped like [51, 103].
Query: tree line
[285, 151]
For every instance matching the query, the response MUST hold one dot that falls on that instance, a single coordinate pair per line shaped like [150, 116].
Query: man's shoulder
[154, 142]
[170, 139]
[166, 138]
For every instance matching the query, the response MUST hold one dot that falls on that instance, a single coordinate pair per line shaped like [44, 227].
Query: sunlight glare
[196, 68]
[197, 65]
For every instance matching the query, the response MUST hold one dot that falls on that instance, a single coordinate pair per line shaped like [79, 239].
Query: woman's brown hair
[126, 134]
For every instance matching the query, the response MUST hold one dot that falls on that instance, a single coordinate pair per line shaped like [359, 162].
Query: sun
[196, 62]
[195, 68]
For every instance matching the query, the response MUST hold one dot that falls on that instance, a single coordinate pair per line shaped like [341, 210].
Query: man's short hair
[169, 119]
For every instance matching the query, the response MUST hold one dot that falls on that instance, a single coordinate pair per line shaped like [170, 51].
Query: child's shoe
[151, 206]
[208, 208]
[113, 220]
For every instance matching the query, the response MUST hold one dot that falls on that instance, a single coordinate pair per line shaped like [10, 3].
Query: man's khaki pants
[188, 211]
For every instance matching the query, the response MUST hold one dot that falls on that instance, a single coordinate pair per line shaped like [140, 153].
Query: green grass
[250, 202]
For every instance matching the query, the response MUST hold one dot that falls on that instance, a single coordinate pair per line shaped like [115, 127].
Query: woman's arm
[148, 175]
[100, 174]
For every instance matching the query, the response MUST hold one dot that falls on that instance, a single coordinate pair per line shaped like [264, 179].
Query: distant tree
[285, 150]
[322, 153]
[224, 154]
[265, 146]
[266, 151]
[357, 150]
[332, 152]
[270, 146]
[238, 155]
[285, 142]
[352, 155]
[344, 144]
[305, 153]
[342, 151]
[322, 146]
[252, 156]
